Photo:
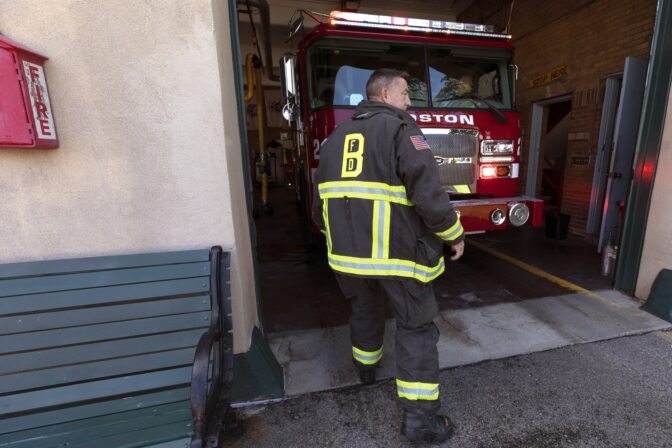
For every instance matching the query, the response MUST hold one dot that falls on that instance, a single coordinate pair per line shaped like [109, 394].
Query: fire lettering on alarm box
[39, 100]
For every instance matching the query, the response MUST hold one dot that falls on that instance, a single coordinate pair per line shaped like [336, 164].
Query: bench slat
[72, 414]
[94, 371]
[112, 313]
[140, 438]
[100, 296]
[93, 390]
[98, 351]
[97, 279]
[100, 428]
[181, 443]
[50, 267]
[87, 334]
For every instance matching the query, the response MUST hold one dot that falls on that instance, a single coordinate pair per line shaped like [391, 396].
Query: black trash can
[557, 225]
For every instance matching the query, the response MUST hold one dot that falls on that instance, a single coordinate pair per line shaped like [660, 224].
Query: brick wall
[593, 37]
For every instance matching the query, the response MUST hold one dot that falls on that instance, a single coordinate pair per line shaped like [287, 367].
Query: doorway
[548, 151]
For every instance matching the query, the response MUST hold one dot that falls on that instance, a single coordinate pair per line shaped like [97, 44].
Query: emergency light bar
[409, 24]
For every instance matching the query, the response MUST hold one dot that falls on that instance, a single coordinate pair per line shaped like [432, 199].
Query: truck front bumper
[480, 215]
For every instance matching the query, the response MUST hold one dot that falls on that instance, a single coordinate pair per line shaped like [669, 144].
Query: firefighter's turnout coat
[378, 198]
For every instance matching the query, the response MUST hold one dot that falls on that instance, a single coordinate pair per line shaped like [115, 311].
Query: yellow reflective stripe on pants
[452, 233]
[368, 358]
[417, 391]
[380, 247]
[385, 267]
[374, 191]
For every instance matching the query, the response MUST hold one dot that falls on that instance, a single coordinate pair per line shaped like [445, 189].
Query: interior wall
[657, 252]
[149, 157]
[556, 141]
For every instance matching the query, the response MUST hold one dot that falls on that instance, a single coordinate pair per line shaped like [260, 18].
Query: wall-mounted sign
[579, 159]
[39, 100]
[553, 75]
[26, 118]
[574, 136]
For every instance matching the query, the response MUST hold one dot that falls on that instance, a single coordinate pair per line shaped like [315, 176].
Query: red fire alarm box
[26, 118]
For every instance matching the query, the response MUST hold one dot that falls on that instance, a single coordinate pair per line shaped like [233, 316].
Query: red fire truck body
[475, 140]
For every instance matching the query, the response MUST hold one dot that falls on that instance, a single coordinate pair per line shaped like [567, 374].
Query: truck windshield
[440, 77]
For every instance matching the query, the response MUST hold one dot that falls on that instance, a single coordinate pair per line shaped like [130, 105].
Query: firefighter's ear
[384, 94]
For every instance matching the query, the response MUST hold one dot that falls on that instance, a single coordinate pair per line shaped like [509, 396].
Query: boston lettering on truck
[461, 86]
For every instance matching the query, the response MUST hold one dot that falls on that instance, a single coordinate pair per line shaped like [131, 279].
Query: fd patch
[419, 142]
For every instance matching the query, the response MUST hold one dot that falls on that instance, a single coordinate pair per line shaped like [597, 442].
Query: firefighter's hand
[458, 250]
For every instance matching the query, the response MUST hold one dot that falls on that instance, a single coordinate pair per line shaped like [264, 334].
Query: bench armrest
[212, 371]
[204, 398]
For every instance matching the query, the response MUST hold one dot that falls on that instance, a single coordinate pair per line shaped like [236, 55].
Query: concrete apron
[320, 359]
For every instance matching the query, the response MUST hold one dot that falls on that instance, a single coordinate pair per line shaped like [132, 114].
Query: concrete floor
[320, 359]
[522, 358]
[615, 393]
[489, 308]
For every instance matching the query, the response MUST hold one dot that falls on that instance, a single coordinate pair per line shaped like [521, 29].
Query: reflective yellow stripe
[374, 191]
[386, 229]
[380, 247]
[363, 184]
[417, 391]
[385, 267]
[365, 357]
[462, 189]
[325, 217]
[453, 232]
[375, 233]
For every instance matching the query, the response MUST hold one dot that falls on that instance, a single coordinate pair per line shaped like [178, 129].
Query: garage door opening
[484, 300]
[297, 288]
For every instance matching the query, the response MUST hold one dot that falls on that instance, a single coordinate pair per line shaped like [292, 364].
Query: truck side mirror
[290, 111]
[295, 25]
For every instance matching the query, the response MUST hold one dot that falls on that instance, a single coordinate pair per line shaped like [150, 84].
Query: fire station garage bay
[185, 125]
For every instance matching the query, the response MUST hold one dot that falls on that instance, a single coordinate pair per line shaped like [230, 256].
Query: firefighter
[385, 218]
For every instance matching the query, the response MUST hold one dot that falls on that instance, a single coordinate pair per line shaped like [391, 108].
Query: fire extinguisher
[609, 253]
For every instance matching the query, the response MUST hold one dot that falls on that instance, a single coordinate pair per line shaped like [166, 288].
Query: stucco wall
[150, 154]
[657, 253]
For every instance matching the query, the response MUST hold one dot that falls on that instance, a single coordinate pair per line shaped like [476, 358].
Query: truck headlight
[496, 147]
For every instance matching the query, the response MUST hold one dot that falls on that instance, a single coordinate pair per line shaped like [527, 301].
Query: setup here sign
[550, 76]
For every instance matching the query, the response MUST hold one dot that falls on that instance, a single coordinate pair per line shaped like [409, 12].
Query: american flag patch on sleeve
[419, 142]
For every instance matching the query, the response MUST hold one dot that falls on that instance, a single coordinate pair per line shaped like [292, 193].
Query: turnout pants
[417, 357]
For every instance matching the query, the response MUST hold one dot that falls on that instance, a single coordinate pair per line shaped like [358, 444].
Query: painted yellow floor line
[543, 274]
[664, 335]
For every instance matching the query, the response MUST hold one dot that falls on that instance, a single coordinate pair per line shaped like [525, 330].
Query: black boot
[427, 427]
[367, 376]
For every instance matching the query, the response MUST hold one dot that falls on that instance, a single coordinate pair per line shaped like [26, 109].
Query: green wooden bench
[120, 351]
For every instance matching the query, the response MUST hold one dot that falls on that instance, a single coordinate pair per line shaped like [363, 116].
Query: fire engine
[462, 91]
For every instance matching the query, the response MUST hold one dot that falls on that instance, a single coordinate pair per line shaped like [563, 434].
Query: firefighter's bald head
[389, 86]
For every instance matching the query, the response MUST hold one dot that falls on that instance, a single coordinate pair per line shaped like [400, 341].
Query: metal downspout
[263, 8]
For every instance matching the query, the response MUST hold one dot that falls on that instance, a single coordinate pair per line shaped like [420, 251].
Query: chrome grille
[456, 152]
